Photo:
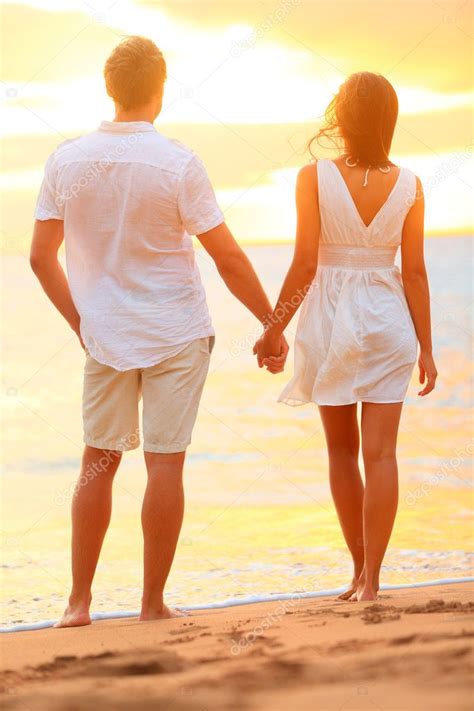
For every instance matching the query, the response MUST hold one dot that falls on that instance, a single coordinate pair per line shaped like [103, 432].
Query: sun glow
[246, 94]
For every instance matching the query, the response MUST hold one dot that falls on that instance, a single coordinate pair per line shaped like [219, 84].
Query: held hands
[271, 350]
[428, 372]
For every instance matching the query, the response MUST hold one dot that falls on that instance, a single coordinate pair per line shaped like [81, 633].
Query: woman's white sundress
[355, 339]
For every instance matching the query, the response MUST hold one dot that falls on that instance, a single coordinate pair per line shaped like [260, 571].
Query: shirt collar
[126, 126]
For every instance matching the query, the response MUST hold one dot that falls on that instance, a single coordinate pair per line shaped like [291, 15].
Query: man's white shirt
[130, 199]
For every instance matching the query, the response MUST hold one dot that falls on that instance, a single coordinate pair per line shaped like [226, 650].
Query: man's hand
[271, 350]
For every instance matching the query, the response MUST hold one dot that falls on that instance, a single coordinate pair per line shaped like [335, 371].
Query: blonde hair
[134, 72]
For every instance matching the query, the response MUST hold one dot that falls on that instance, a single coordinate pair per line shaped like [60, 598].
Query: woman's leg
[379, 441]
[342, 438]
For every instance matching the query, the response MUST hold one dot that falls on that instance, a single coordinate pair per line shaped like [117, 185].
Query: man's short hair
[134, 72]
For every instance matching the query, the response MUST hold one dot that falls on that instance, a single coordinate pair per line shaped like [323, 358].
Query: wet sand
[412, 649]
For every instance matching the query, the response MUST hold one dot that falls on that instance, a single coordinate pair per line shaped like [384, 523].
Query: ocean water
[259, 517]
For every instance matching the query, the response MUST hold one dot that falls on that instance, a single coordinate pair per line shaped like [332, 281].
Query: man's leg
[171, 393]
[110, 414]
[162, 516]
[91, 510]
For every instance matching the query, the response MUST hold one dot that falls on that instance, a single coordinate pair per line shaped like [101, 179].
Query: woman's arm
[303, 267]
[415, 283]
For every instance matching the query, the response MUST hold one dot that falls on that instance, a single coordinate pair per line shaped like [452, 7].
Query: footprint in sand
[440, 606]
[109, 664]
[376, 614]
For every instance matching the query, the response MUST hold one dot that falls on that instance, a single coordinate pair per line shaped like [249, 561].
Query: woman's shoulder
[308, 174]
[407, 171]
[410, 187]
[411, 177]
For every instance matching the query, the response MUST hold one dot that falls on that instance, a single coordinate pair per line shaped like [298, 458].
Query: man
[125, 199]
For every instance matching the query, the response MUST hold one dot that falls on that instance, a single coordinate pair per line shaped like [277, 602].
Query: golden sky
[248, 84]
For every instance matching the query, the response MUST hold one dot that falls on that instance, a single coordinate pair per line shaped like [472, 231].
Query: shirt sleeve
[49, 205]
[197, 203]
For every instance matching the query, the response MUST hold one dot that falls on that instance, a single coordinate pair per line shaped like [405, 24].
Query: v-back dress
[355, 340]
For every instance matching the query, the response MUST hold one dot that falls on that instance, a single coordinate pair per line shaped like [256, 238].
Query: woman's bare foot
[358, 585]
[346, 595]
[364, 592]
[74, 617]
[164, 613]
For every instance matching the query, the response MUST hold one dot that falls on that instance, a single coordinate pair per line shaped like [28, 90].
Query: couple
[126, 199]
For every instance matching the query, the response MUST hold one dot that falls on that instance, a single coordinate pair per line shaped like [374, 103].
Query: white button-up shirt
[130, 199]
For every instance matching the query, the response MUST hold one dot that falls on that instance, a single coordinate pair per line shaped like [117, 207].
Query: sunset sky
[248, 83]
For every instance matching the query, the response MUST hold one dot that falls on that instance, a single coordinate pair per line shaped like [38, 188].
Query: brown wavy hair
[362, 115]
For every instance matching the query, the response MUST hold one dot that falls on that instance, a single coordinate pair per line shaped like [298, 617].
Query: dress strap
[329, 189]
[336, 211]
[408, 187]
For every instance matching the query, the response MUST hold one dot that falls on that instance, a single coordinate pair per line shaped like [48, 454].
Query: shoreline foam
[237, 602]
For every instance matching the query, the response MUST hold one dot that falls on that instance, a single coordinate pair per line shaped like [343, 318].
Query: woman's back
[367, 216]
[368, 190]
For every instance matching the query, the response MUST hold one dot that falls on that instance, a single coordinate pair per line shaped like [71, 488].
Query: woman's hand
[428, 372]
[271, 350]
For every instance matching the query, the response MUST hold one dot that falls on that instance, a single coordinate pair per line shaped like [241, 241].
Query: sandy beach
[409, 650]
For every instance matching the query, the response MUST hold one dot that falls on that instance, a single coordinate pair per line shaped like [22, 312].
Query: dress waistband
[349, 257]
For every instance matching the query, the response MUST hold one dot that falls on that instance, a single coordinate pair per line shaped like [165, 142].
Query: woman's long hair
[363, 115]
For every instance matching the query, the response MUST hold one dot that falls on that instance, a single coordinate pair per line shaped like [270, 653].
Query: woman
[361, 319]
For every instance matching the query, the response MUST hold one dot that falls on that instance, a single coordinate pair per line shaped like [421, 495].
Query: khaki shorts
[171, 393]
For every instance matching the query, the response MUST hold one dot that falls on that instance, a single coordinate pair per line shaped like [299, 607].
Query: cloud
[245, 93]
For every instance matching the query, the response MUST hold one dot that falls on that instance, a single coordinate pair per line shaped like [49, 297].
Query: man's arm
[199, 211]
[239, 275]
[48, 236]
[236, 270]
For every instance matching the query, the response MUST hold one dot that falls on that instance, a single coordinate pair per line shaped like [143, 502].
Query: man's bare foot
[74, 617]
[165, 613]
